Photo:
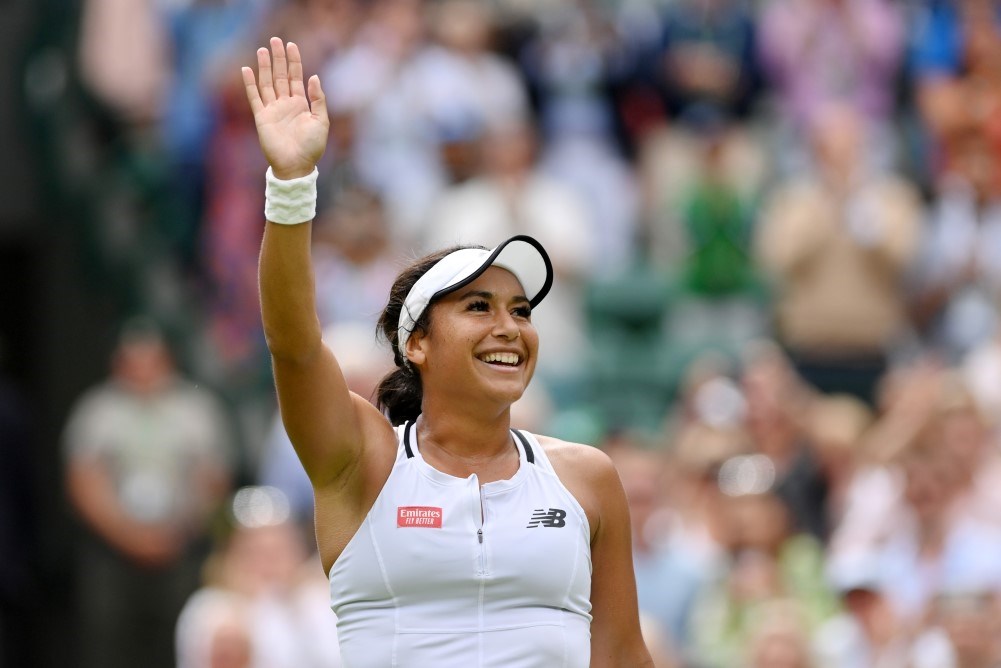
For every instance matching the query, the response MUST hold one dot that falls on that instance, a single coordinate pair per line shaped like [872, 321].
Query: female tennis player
[450, 538]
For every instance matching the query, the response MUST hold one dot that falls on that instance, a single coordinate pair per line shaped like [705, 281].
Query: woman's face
[480, 341]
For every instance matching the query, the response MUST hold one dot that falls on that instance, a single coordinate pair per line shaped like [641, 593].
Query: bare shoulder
[587, 472]
[576, 459]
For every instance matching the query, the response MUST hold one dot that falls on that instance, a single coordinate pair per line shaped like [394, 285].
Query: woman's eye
[478, 306]
[523, 312]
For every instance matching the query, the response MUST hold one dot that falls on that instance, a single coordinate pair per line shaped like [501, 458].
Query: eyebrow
[483, 294]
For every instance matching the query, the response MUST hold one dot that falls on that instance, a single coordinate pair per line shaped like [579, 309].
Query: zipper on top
[481, 568]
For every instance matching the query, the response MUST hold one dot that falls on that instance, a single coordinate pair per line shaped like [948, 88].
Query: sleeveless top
[444, 571]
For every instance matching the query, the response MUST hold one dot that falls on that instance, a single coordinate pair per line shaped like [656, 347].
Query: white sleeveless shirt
[446, 572]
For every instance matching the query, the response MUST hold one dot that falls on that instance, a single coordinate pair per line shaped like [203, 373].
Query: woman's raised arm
[322, 418]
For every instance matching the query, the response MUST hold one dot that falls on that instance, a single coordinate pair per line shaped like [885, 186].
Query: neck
[464, 442]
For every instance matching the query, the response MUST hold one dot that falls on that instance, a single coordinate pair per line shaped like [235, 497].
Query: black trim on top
[406, 440]
[529, 455]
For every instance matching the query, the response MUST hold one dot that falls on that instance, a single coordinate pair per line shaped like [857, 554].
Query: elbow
[294, 348]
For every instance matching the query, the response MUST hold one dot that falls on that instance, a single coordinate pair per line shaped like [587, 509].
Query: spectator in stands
[706, 69]
[837, 244]
[707, 65]
[956, 280]
[203, 38]
[816, 53]
[931, 543]
[954, 63]
[868, 633]
[969, 621]
[460, 81]
[394, 146]
[775, 410]
[769, 562]
[354, 258]
[265, 596]
[568, 64]
[719, 297]
[321, 27]
[667, 576]
[147, 461]
[132, 88]
[835, 427]
[906, 396]
[968, 439]
[780, 638]
[231, 182]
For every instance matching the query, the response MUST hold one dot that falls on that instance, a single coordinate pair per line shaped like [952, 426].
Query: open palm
[291, 127]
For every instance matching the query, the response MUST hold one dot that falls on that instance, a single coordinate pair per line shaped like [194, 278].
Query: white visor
[522, 255]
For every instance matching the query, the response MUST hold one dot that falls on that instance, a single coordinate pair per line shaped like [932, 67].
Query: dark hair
[399, 393]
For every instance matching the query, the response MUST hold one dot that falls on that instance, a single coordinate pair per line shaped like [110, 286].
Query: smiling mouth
[508, 360]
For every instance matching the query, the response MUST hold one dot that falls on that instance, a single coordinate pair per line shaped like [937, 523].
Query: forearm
[292, 124]
[288, 301]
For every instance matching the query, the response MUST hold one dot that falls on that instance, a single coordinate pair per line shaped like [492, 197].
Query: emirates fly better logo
[418, 516]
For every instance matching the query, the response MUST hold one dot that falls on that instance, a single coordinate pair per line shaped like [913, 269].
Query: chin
[510, 393]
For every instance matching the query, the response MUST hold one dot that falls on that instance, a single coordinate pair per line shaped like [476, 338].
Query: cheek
[449, 344]
[531, 337]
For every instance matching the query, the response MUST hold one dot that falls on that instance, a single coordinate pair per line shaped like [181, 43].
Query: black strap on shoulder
[529, 455]
[406, 440]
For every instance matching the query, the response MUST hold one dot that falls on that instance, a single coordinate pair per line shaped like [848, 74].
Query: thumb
[317, 100]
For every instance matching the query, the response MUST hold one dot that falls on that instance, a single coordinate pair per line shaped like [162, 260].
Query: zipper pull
[479, 535]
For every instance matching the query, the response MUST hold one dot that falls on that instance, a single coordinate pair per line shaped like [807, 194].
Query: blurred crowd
[776, 229]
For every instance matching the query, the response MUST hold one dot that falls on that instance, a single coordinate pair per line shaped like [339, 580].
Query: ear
[416, 348]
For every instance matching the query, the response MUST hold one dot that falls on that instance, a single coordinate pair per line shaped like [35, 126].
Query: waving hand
[292, 128]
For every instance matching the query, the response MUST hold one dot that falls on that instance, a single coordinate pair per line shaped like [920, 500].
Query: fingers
[264, 68]
[280, 65]
[317, 100]
[280, 75]
[253, 94]
[295, 70]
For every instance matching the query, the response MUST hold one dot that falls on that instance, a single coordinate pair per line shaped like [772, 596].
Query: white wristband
[290, 202]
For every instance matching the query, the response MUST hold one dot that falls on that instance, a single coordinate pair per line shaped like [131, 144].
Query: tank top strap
[534, 453]
[526, 446]
[404, 432]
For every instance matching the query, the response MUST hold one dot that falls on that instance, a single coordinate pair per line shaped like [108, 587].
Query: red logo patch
[418, 516]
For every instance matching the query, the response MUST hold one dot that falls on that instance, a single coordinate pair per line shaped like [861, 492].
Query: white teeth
[502, 358]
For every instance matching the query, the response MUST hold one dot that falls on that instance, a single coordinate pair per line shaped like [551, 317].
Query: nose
[506, 327]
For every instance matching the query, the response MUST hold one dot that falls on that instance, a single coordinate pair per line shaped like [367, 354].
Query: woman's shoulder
[577, 457]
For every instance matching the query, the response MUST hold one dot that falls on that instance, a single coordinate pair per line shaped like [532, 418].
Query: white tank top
[446, 572]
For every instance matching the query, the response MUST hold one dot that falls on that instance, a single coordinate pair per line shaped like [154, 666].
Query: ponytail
[399, 395]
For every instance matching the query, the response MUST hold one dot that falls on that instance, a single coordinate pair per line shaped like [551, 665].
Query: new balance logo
[554, 517]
